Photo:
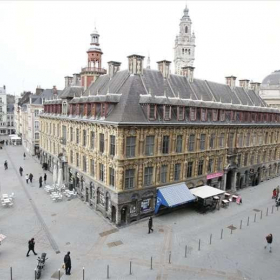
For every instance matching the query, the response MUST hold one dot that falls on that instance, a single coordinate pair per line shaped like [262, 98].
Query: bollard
[272, 209]
[261, 214]
[108, 272]
[11, 271]
[255, 217]
[241, 224]
[210, 238]
[248, 221]
[199, 245]
[59, 274]
[83, 273]
[130, 271]
[151, 262]
[169, 257]
[231, 230]
[186, 250]
[222, 234]
[267, 211]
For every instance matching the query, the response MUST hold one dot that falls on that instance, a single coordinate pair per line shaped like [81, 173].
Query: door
[123, 215]
[113, 214]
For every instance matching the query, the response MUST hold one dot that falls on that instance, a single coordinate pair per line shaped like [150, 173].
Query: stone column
[233, 182]
[225, 180]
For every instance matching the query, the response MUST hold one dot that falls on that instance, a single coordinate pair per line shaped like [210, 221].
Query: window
[210, 165]
[64, 138]
[112, 177]
[101, 172]
[77, 136]
[220, 164]
[36, 113]
[240, 140]
[192, 114]
[84, 164]
[165, 144]
[230, 140]
[248, 140]
[264, 157]
[202, 142]
[92, 167]
[36, 135]
[180, 113]
[266, 138]
[92, 139]
[222, 115]
[84, 137]
[203, 114]
[179, 143]
[148, 176]
[101, 142]
[167, 112]
[259, 158]
[246, 159]
[152, 112]
[112, 145]
[149, 149]
[186, 29]
[222, 139]
[239, 160]
[129, 178]
[215, 115]
[191, 142]
[163, 174]
[212, 141]
[71, 157]
[58, 131]
[130, 146]
[189, 169]
[177, 171]
[200, 167]
[36, 125]
[71, 134]
[77, 160]
[252, 159]
[228, 116]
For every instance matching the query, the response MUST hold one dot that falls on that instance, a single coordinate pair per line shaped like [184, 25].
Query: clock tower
[184, 44]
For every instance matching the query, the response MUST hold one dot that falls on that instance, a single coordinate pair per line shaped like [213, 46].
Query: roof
[71, 91]
[272, 79]
[206, 191]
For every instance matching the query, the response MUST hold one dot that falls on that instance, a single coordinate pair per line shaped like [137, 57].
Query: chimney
[188, 72]
[4, 87]
[68, 81]
[230, 81]
[164, 68]
[76, 79]
[39, 90]
[255, 87]
[244, 83]
[113, 67]
[135, 64]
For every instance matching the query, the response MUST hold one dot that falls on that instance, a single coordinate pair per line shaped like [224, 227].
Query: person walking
[269, 239]
[67, 263]
[26, 178]
[24, 155]
[150, 224]
[40, 182]
[30, 177]
[31, 247]
[6, 165]
[45, 178]
[20, 171]
[277, 192]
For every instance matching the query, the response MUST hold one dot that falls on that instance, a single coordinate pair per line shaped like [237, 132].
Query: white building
[184, 49]
[3, 111]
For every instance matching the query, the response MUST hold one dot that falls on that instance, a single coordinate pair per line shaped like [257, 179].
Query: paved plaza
[71, 225]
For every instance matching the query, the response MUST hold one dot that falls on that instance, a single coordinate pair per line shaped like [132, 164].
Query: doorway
[123, 215]
[113, 214]
[229, 180]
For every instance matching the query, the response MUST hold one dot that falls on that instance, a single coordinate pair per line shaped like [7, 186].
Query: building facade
[270, 89]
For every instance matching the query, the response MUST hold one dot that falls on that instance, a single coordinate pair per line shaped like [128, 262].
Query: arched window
[186, 29]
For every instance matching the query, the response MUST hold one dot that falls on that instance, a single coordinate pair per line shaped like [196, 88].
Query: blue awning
[173, 195]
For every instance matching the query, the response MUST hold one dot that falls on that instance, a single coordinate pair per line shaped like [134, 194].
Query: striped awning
[173, 195]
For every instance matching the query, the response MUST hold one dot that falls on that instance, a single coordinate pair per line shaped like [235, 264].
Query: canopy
[173, 195]
[206, 191]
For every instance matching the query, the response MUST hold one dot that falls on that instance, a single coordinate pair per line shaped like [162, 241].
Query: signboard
[145, 204]
[214, 175]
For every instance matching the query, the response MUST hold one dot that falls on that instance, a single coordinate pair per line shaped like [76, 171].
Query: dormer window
[167, 112]
[193, 114]
[203, 114]
[103, 109]
[215, 115]
[186, 29]
[152, 111]
[64, 108]
[222, 115]
[180, 113]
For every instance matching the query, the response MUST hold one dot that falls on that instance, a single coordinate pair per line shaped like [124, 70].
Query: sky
[42, 42]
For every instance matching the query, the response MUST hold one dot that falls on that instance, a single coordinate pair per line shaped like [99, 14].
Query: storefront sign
[214, 175]
[145, 205]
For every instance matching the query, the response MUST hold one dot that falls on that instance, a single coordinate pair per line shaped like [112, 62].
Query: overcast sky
[41, 42]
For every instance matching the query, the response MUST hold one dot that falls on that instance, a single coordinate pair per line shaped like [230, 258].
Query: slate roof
[71, 91]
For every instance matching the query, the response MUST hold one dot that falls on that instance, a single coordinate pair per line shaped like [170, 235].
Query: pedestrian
[7, 143]
[269, 239]
[277, 191]
[31, 247]
[67, 263]
[150, 225]
[20, 170]
[30, 177]
[26, 178]
[274, 194]
[45, 178]
[24, 155]
[40, 182]
[6, 165]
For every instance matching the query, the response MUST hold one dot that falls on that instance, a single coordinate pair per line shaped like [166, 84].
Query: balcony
[94, 69]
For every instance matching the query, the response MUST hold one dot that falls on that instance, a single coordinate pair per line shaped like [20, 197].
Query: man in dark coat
[45, 178]
[24, 156]
[30, 177]
[6, 165]
[67, 262]
[31, 245]
[20, 171]
[150, 225]
[40, 182]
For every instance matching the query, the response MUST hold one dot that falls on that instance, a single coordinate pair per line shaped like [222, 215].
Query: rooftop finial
[148, 62]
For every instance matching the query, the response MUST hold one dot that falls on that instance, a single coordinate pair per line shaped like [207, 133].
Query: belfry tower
[94, 68]
[184, 44]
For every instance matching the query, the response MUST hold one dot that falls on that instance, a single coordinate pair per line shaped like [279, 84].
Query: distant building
[270, 89]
